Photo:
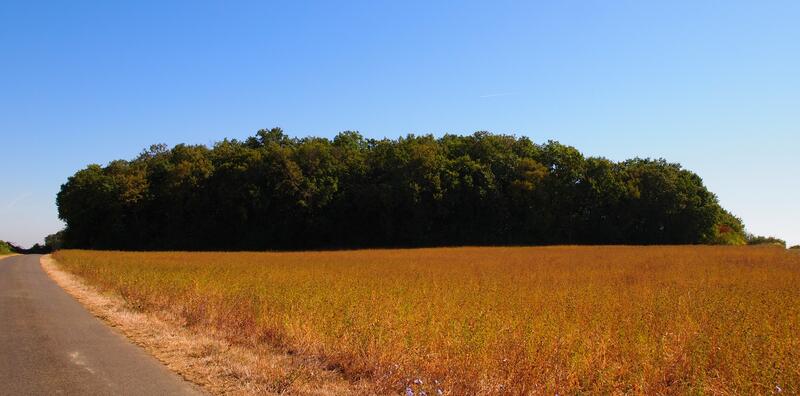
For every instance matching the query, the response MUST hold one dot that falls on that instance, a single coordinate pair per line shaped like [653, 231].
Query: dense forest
[271, 191]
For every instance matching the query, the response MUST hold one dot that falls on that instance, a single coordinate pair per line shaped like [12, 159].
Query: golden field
[566, 320]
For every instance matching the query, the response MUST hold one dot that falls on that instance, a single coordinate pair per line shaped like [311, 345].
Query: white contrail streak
[496, 94]
[15, 201]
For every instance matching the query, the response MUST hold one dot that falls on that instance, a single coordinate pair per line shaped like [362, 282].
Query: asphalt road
[50, 344]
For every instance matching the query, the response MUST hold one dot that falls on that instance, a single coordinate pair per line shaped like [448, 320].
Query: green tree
[271, 191]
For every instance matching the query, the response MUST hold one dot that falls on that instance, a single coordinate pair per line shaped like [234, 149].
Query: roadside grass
[654, 320]
[201, 357]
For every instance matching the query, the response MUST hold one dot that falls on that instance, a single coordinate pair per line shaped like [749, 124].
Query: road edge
[214, 365]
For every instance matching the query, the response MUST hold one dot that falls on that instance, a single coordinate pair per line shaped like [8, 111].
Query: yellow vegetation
[492, 320]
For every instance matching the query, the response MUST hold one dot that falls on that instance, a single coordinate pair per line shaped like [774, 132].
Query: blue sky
[713, 85]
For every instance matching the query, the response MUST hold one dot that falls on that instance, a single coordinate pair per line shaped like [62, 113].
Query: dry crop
[492, 320]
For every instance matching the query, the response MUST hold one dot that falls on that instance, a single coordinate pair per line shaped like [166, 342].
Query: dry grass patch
[654, 320]
[200, 355]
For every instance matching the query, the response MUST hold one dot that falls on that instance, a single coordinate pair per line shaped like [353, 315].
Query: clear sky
[714, 85]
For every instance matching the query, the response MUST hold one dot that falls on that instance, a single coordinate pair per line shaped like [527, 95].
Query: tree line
[10, 248]
[271, 191]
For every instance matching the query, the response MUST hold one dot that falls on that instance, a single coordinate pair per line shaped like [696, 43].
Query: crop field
[566, 320]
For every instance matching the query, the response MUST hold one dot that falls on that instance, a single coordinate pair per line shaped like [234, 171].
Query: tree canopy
[271, 191]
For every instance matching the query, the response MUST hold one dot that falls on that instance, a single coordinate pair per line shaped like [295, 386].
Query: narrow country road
[50, 345]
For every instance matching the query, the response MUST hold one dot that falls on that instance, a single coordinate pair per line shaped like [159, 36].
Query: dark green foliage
[275, 192]
[55, 241]
[36, 249]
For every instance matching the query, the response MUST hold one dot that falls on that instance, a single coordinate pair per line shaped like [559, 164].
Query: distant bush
[55, 241]
[762, 240]
[9, 248]
[6, 248]
[795, 247]
[729, 230]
